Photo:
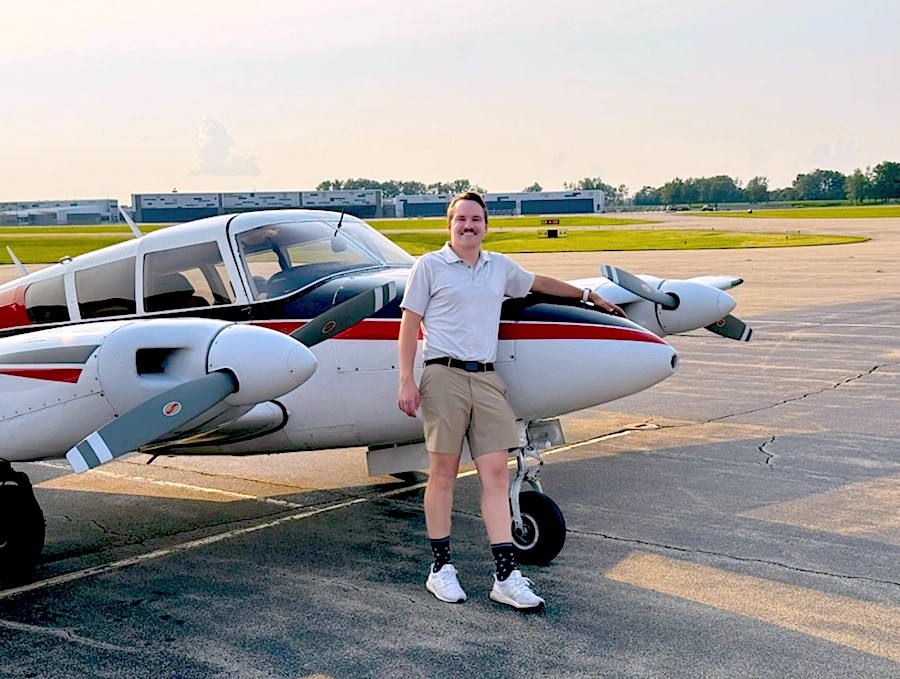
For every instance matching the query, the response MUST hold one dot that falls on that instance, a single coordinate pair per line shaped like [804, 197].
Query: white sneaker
[444, 584]
[516, 591]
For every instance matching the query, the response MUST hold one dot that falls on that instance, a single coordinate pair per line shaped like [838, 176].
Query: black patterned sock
[441, 550]
[505, 559]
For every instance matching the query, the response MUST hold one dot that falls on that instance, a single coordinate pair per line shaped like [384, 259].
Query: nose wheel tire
[543, 531]
[22, 529]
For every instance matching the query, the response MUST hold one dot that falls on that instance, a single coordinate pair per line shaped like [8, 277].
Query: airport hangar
[522, 203]
[365, 204]
[59, 212]
[184, 207]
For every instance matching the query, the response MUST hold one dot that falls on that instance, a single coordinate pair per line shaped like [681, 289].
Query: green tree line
[394, 187]
[879, 183]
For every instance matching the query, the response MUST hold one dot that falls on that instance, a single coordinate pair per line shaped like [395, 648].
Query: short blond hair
[466, 195]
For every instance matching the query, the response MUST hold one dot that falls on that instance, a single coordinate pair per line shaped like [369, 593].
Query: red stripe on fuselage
[50, 374]
[372, 329]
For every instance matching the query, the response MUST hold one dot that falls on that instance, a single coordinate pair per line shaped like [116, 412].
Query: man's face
[467, 227]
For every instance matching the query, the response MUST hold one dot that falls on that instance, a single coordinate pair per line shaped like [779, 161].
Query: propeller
[166, 412]
[732, 328]
[152, 419]
[729, 326]
[344, 315]
[634, 284]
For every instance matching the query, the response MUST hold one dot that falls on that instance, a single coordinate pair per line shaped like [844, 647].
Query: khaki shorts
[456, 405]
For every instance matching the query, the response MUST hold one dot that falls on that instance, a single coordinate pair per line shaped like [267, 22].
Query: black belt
[468, 366]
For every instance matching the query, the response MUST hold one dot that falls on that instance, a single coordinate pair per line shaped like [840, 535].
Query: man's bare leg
[494, 474]
[439, 493]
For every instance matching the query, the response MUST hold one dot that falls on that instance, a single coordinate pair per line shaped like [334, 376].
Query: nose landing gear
[538, 526]
[21, 525]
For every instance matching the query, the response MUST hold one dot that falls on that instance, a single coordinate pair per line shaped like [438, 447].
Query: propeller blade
[151, 420]
[732, 328]
[635, 285]
[131, 225]
[345, 315]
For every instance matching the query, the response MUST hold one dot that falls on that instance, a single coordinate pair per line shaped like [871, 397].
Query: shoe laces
[447, 575]
[518, 582]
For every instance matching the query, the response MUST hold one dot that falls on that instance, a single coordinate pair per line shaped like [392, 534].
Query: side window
[46, 301]
[186, 278]
[106, 290]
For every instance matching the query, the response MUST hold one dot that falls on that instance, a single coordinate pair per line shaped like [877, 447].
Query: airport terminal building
[184, 207]
[523, 203]
[59, 212]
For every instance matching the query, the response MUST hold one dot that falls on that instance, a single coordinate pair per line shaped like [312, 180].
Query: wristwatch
[585, 294]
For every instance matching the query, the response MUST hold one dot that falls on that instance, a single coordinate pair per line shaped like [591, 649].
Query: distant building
[59, 212]
[184, 207]
[523, 203]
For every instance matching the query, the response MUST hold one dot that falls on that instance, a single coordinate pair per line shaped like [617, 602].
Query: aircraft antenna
[19, 265]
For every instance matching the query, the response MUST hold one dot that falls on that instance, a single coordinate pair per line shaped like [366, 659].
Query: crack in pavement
[130, 539]
[832, 387]
[66, 635]
[769, 456]
[732, 557]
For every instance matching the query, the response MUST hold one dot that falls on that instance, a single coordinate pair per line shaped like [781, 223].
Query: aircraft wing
[721, 282]
[607, 289]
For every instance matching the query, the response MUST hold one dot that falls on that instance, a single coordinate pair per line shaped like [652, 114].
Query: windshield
[282, 258]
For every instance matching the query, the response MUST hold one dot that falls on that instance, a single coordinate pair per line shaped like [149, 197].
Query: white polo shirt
[459, 304]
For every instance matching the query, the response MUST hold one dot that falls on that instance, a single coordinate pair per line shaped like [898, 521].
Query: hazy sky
[104, 99]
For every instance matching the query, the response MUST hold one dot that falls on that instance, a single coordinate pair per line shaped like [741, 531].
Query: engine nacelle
[59, 385]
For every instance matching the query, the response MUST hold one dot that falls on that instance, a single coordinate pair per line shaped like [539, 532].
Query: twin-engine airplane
[277, 331]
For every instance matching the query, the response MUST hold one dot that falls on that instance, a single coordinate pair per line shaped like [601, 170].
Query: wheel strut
[525, 472]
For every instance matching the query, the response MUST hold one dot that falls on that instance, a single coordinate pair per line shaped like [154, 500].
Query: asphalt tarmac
[741, 519]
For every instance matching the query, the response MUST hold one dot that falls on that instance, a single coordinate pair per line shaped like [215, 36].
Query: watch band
[585, 294]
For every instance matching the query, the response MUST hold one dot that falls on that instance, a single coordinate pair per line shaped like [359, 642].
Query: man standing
[455, 294]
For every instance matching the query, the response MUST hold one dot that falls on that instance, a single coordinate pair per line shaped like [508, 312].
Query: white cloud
[215, 155]
[833, 155]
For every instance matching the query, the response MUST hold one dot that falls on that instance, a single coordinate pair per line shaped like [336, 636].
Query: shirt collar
[450, 256]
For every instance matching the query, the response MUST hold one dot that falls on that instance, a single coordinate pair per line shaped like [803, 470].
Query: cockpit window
[106, 289]
[186, 277]
[46, 301]
[281, 258]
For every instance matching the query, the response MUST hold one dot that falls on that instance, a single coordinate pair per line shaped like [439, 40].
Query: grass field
[592, 241]
[507, 222]
[43, 249]
[855, 212]
[37, 246]
[64, 230]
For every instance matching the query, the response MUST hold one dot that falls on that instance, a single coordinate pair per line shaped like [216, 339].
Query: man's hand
[408, 398]
[606, 305]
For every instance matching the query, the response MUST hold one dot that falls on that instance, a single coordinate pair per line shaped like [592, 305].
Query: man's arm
[557, 288]
[408, 394]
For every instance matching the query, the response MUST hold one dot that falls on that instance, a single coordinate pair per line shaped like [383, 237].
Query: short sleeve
[418, 288]
[518, 280]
